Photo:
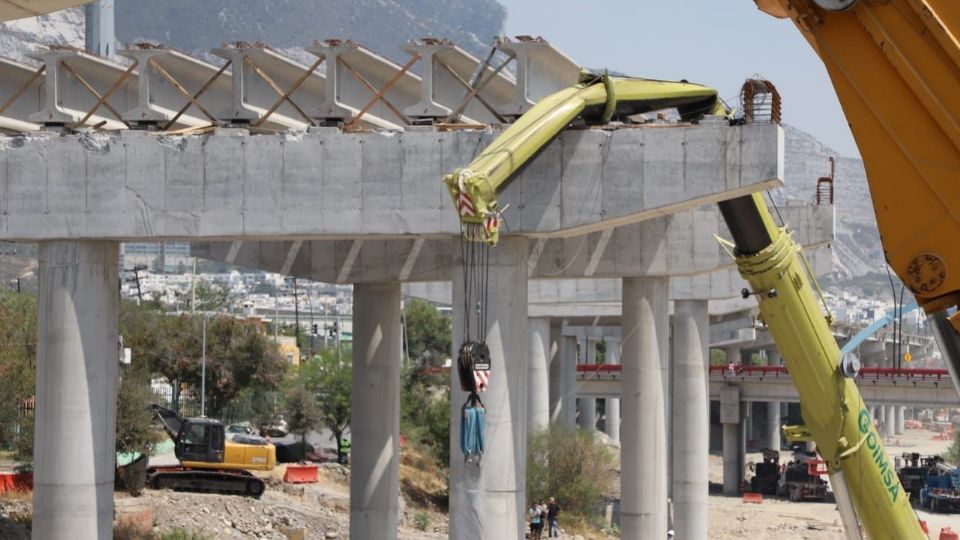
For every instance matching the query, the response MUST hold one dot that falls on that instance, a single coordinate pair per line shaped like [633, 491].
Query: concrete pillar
[901, 420]
[538, 384]
[881, 414]
[588, 414]
[643, 480]
[748, 418]
[733, 355]
[611, 407]
[76, 414]
[567, 400]
[691, 418]
[556, 371]
[587, 407]
[487, 501]
[731, 459]
[773, 407]
[375, 410]
[889, 426]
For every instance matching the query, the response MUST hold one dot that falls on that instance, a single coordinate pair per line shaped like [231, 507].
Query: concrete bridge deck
[879, 386]
[326, 171]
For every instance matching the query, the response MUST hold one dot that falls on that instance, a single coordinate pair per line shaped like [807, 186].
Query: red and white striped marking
[465, 205]
[482, 379]
[491, 223]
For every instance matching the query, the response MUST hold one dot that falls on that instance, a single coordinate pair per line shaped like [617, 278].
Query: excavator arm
[598, 98]
[171, 420]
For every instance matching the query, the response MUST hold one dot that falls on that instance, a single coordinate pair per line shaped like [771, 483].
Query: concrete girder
[68, 100]
[260, 78]
[24, 86]
[426, 260]
[541, 70]
[914, 393]
[159, 101]
[18, 9]
[331, 184]
[350, 67]
[447, 70]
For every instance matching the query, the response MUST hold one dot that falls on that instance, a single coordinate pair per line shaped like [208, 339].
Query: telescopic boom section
[833, 409]
[597, 99]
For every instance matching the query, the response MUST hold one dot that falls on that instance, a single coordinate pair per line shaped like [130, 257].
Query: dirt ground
[731, 518]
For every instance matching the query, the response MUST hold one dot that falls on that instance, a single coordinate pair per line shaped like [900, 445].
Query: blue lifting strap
[471, 429]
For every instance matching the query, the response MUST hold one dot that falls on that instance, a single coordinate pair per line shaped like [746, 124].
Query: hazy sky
[715, 42]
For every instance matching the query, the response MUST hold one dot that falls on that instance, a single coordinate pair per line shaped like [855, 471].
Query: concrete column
[76, 414]
[375, 410]
[587, 407]
[773, 407]
[556, 371]
[567, 400]
[588, 414]
[643, 480]
[889, 426]
[733, 355]
[612, 406]
[748, 419]
[691, 418]
[731, 459]
[901, 420]
[487, 501]
[538, 384]
[881, 414]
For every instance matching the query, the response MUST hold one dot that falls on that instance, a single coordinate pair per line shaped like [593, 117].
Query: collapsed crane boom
[474, 188]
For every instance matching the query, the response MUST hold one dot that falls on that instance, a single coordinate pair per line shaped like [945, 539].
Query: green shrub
[570, 466]
[421, 521]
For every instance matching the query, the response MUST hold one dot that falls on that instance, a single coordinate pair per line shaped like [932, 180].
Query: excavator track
[211, 481]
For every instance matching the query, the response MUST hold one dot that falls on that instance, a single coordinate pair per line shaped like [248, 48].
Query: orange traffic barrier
[16, 482]
[301, 474]
[947, 533]
[755, 498]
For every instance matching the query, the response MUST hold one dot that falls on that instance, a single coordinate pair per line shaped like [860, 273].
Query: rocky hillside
[382, 25]
[857, 251]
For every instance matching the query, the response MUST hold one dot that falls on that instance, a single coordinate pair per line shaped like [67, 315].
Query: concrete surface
[375, 411]
[77, 364]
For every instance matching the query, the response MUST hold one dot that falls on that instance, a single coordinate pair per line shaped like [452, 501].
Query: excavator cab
[201, 440]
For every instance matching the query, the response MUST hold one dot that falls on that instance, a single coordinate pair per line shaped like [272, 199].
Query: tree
[134, 419]
[239, 354]
[331, 378]
[303, 413]
[429, 333]
[18, 352]
[953, 453]
[571, 466]
[425, 412]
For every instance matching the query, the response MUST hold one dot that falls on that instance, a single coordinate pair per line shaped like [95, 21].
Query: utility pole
[193, 288]
[203, 372]
[296, 313]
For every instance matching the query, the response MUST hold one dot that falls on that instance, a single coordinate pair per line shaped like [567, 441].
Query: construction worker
[343, 450]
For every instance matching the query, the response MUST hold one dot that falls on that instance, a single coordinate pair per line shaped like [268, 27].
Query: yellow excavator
[895, 65]
[208, 460]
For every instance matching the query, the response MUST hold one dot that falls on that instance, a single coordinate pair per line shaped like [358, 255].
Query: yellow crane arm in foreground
[834, 413]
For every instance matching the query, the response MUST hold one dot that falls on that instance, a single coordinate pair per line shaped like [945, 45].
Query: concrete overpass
[879, 386]
[331, 171]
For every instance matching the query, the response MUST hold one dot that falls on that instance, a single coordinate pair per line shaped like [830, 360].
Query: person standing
[553, 509]
[536, 521]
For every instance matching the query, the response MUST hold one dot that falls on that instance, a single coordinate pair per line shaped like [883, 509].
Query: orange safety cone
[301, 474]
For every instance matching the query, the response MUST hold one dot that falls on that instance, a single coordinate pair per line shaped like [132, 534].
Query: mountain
[856, 251]
[197, 27]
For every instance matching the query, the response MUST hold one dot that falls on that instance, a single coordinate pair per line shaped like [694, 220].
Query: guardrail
[870, 373]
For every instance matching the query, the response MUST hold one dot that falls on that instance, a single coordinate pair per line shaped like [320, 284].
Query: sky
[714, 42]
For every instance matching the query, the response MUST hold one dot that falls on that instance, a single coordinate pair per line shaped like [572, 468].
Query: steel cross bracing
[158, 88]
